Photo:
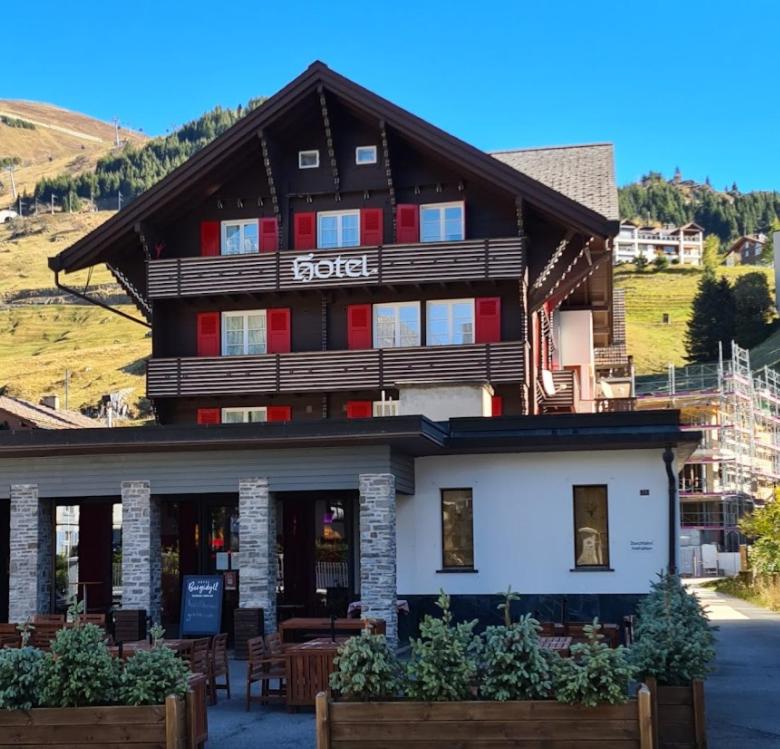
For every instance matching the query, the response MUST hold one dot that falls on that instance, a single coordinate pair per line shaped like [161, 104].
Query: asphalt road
[741, 695]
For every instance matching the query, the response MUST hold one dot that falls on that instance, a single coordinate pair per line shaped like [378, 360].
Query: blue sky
[691, 83]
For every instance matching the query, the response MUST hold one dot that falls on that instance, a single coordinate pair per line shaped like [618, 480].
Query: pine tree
[712, 320]
[752, 309]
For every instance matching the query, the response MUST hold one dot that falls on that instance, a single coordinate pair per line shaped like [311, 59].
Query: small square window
[365, 155]
[308, 159]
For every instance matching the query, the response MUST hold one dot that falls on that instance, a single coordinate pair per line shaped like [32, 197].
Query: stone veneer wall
[257, 518]
[378, 550]
[31, 554]
[141, 551]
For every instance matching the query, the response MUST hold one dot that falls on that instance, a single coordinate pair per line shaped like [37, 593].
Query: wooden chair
[97, 619]
[10, 636]
[43, 634]
[49, 619]
[218, 666]
[264, 667]
[199, 656]
[273, 644]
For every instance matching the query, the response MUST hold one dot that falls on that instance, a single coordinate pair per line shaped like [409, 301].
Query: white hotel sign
[306, 269]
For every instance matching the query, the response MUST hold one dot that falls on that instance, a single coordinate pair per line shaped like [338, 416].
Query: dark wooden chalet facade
[331, 246]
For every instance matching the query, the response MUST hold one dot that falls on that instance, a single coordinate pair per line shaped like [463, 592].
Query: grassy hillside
[650, 294]
[43, 334]
[60, 142]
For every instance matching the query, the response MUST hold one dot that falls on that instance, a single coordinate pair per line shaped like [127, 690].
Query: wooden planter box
[479, 725]
[678, 716]
[165, 726]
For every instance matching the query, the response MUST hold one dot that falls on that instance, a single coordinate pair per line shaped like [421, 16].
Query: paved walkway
[741, 694]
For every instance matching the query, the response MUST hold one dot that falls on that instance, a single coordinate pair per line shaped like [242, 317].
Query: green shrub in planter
[21, 674]
[595, 673]
[673, 639]
[80, 671]
[149, 676]
[366, 670]
[443, 665]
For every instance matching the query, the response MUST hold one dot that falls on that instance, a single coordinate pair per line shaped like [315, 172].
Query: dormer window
[365, 155]
[308, 159]
[240, 237]
[442, 222]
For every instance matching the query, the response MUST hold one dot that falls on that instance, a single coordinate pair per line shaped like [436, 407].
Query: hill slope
[56, 141]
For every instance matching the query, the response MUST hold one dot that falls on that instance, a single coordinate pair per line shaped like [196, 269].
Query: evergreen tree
[712, 320]
[711, 254]
[752, 309]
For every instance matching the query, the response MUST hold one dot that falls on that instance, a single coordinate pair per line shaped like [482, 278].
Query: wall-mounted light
[438, 187]
[220, 204]
[417, 189]
[260, 200]
[239, 203]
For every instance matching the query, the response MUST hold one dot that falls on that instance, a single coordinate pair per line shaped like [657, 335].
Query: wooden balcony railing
[318, 371]
[471, 259]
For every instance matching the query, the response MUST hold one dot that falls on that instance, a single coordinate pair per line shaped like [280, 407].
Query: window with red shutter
[279, 413]
[407, 219]
[359, 326]
[209, 238]
[209, 416]
[279, 330]
[269, 235]
[371, 226]
[359, 409]
[496, 405]
[488, 319]
[208, 343]
[305, 231]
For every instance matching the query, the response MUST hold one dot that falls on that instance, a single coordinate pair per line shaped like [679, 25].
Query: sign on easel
[201, 604]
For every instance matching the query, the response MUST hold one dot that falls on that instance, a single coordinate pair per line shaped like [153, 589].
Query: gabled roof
[43, 417]
[583, 173]
[119, 228]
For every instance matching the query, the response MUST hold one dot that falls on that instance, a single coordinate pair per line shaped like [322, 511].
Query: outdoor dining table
[129, 648]
[559, 644]
[322, 626]
[309, 666]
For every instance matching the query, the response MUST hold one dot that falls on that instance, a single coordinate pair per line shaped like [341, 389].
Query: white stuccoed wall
[523, 522]
[441, 402]
[575, 342]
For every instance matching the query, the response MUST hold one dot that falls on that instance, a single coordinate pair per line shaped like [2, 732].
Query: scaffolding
[738, 461]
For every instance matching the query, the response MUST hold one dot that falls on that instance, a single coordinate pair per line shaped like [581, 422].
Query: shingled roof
[583, 173]
[43, 417]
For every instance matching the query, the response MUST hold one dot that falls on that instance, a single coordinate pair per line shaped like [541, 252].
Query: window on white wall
[457, 529]
[442, 222]
[591, 527]
[397, 325]
[248, 415]
[240, 237]
[244, 333]
[338, 229]
[449, 322]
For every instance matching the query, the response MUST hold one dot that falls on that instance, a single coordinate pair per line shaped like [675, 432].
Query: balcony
[468, 260]
[318, 371]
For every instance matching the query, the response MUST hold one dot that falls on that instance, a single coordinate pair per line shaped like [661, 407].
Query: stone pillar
[377, 550]
[31, 554]
[141, 551]
[257, 547]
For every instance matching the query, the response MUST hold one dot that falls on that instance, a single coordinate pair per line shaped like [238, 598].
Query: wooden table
[321, 625]
[129, 648]
[309, 666]
[559, 644]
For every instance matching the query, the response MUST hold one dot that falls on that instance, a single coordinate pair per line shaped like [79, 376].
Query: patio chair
[273, 644]
[218, 666]
[200, 657]
[49, 619]
[43, 634]
[97, 619]
[10, 637]
[264, 667]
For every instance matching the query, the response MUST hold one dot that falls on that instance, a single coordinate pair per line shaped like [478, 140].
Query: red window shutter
[279, 413]
[209, 416]
[359, 326]
[305, 230]
[496, 405]
[208, 334]
[279, 330]
[209, 238]
[488, 319]
[371, 226]
[269, 235]
[359, 409]
[407, 223]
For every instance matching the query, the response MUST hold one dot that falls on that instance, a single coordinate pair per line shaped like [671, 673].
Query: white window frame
[385, 408]
[339, 228]
[450, 320]
[241, 223]
[397, 306]
[442, 206]
[374, 160]
[302, 154]
[245, 315]
[244, 411]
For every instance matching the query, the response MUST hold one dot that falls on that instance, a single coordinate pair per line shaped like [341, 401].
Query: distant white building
[6, 214]
[685, 244]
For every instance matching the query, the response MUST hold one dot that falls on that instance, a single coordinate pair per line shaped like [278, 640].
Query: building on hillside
[16, 413]
[681, 244]
[375, 367]
[737, 463]
[747, 250]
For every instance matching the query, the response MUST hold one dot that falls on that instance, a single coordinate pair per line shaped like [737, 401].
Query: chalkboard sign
[201, 604]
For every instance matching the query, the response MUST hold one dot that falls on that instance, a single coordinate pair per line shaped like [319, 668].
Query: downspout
[97, 302]
[672, 478]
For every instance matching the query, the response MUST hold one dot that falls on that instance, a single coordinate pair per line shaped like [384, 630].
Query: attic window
[308, 159]
[365, 155]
